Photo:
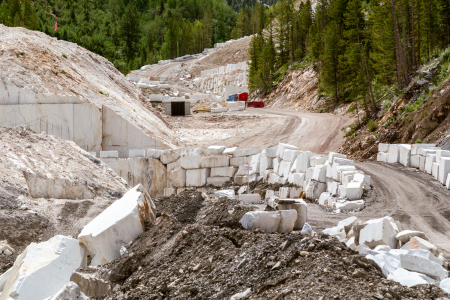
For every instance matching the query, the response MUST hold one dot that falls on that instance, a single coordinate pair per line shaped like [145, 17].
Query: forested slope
[131, 33]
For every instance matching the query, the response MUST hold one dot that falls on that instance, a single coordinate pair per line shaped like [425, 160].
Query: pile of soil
[216, 261]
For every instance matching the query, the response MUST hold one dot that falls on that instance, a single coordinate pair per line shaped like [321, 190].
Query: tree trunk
[413, 37]
[419, 60]
[398, 47]
[405, 40]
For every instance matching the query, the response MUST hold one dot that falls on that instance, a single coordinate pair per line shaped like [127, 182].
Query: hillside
[40, 70]
[128, 33]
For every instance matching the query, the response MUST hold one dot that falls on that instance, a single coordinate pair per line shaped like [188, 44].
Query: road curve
[320, 133]
[414, 198]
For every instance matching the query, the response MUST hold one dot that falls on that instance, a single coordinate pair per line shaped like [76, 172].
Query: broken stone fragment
[90, 284]
[300, 206]
[423, 261]
[408, 278]
[307, 230]
[379, 232]
[225, 193]
[169, 156]
[71, 291]
[419, 243]
[215, 150]
[119, 224]
[43, 269]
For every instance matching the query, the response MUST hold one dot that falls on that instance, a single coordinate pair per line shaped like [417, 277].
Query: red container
[255, 104]
[242, 97]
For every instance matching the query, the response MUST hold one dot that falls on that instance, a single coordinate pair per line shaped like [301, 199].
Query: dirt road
[320, 133]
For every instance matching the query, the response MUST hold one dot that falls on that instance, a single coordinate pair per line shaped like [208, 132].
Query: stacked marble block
[425, 157]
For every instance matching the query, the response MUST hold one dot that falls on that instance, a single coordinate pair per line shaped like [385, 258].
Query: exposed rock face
[65, 90]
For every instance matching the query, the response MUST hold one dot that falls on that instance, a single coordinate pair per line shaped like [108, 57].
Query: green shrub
[418, 141]
[372, 126]
[101, 92]
[425, 113]
[65, 56]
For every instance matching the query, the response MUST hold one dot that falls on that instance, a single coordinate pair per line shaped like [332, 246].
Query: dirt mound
[24, 219]
[210, 262]
[184, 207]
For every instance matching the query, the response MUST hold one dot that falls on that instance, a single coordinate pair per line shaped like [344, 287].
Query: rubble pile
[332, 179]
[406, 257]
[426, 157]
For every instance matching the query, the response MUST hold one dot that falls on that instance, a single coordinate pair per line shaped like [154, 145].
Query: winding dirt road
[319, 133]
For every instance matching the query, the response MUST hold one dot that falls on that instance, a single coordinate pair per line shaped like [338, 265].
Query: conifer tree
[331, 67]
[29, 16]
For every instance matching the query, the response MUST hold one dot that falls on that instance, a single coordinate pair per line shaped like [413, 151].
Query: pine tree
[129, 29]
[331, 67]
[29, 16]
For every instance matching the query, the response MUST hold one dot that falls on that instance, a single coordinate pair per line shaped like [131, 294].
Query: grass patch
[418, 141]
[372, 126]
[65, 56]
[100, 92]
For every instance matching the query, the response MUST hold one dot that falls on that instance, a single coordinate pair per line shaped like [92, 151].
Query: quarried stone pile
[406, 257]
[425, 157]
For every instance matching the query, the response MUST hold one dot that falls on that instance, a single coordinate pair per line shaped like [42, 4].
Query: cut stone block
[266, 174]
[270, 221]
[173, 165]
[154, 153]
[270, 152]
[303, 161]
[283, 192]
[189, 162]
[444, 169]
[405, 154]
[250, 198]
[217, 181]
[285, 168]
[320, 172]
[255, 158]
[382, 157]
[315, 189]
[136, 153]
[178, 177]
[41, 270]
[276, 164]
[416, 147]
[419, 243]
[265, 163]
[423, 261]
[429, 160]
[169, 156]
[422, 160]
[269, 193]
[379, 232]
[245, 152]
[440, 154]
[337, 171]
[415, 161]
[282, 180]
[428, 150]
[239, 161]
[214, 150]
[294, 192]
[244, 179]
[309, 174]
[298, 179]
[394, 154]
[169, 191]
[273, 178]
[294, 166]
[197, 177]
[337, 232]
[354, 190]
[283, 147]
[219, 109]
[447, 183]
[243, 189]
[408, 278]
[225, 193]
[223, 172]
[290, 155]
[435, 170]
[300, 206]
[317, 160]
[195, 151]
[117, 225]
[383, 147]
[243, 171]
[405, 235]
[109, 154]
[332, 155]
[350, 205]
[229, 151]
[342, 162]
[215, 161]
